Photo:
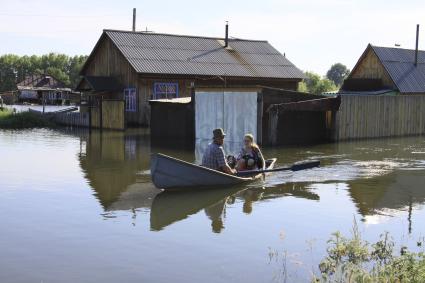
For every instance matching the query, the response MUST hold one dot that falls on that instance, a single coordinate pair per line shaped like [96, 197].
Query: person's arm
[261, 158]
[222, 163]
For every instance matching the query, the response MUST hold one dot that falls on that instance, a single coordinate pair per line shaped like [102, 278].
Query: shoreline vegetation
[23, 120]
[351, 259]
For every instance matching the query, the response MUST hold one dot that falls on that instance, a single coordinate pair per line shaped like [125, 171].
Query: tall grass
[23, 120]
[352, 259]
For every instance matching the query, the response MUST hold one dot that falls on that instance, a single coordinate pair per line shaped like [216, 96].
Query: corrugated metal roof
[155, 53]
[399, 64]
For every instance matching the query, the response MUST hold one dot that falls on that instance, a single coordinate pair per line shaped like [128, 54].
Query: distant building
[140, 66]
[387, 71]
[35, 88]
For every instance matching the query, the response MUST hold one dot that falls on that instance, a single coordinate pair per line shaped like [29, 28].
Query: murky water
[80, 207]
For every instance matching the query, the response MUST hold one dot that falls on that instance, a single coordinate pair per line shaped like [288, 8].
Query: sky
[313, 34]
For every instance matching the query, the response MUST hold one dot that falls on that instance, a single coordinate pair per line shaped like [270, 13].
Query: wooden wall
[172, 122]
[113, 114]
[380, 116]
[371, 68]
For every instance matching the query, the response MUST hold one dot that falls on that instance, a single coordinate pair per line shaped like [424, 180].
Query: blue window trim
[175, 84]
[131, 90]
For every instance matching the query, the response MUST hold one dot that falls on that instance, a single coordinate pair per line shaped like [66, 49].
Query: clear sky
[313, 34]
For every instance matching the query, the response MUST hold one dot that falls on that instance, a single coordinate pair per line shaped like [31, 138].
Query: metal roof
[41, 82]
[399, 63]
[155, 53]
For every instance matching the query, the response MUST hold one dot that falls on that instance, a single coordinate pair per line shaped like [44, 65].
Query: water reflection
[383, 177]
[112, 163]
[173, 206]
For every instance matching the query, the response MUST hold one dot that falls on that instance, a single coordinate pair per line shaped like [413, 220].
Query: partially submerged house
[36, 88]
[384, 95]
[387, 70]
[141, 66]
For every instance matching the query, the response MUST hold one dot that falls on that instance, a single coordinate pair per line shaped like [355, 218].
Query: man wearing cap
[214, 157]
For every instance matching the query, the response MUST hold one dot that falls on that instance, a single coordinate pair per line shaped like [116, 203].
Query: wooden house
[383, 96]
[141, 66]
[36, 88]
[387, 70]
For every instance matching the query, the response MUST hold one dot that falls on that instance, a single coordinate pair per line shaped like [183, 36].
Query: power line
[63, 16]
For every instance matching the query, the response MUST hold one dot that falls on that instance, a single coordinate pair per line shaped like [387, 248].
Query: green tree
[14, 69]
[337, 73]
[315, 84]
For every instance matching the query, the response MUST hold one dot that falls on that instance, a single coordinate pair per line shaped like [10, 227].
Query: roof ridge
[398, 48]
[182, 35]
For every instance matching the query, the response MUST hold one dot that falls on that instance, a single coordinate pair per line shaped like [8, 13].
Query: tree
[337, 73]
[315, 84]
[14, 69]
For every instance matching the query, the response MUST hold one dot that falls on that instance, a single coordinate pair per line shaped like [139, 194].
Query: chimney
[417, 43]
[226, 39]
[134, 19]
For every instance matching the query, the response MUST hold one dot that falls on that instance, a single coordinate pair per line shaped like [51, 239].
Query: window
[165, 90]
[130, 99]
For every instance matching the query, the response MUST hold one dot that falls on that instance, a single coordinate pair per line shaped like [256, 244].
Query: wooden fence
[74, 119]
[380, 116]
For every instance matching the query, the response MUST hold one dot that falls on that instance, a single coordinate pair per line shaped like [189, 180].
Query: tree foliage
[14, 68]
[337, 73]
[315, 84]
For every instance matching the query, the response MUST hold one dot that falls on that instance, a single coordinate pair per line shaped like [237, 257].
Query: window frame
[166, 93]
[130, 99]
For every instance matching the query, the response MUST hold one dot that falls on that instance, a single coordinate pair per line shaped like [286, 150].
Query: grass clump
[355, 260]
[23, 120]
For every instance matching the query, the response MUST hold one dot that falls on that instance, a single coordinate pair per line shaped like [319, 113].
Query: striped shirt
[214, 157]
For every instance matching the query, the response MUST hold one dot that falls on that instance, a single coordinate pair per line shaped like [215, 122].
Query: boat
[170, 173]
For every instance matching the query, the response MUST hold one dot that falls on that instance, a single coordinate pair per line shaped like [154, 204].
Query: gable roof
[41, 82]
[155, 53]
[399, 64]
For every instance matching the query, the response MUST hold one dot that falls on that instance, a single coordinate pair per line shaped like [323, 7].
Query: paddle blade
[305, 165]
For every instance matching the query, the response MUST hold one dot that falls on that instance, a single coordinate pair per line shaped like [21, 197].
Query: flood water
[80, 207]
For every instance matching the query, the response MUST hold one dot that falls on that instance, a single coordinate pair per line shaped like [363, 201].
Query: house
[141, 66]
[387, 70]
[35, 88]
[383, 96]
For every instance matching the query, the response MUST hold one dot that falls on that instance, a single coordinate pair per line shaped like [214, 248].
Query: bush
[355, 260]
[22, 120]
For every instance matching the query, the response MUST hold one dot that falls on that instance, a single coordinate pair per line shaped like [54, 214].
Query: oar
[295, 167]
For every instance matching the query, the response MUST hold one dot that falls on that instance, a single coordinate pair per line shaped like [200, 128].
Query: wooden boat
[168, 173]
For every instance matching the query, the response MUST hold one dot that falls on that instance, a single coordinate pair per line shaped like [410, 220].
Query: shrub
[22, 120]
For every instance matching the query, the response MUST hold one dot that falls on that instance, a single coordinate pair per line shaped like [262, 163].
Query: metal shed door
[235, 112]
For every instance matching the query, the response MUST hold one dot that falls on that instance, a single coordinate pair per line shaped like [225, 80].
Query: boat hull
[168, 173]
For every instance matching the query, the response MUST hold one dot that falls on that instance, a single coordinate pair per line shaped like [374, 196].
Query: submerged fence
[380, 116]
[75, 119]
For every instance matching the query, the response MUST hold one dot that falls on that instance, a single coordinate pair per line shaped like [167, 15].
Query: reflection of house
[153, 66]
[112, 163]
[35, 88]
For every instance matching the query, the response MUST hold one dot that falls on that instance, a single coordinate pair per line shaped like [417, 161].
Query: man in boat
[214, 157]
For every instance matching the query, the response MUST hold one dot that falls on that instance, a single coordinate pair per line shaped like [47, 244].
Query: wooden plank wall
[380, 116]
[113, 114]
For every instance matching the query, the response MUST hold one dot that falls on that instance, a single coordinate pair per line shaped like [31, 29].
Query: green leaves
[316, 84]
[337, 73]
[14, 68]
[355, 260]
